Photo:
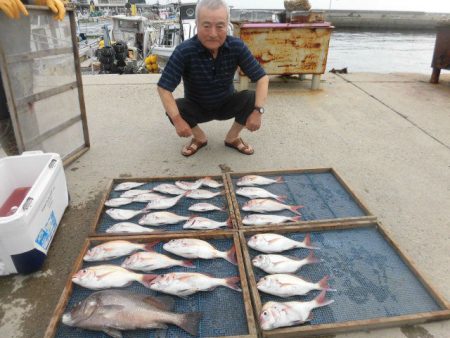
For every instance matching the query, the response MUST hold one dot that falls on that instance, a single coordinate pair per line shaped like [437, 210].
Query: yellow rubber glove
[56, 6]
[13, 8]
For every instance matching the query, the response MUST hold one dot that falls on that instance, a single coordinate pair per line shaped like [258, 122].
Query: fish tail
[320, 300]
[279, 179]
[323, 284]
[311, 259]
[190, 321]
[231, 255]
[307, 243]
[294, 209]
[231, 282]
[147, 279]
[229, 223]
[296, 218]
[149, 246]
[188, 264]
[281, 198]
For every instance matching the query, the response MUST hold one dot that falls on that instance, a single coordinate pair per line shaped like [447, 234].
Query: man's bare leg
[198, 138]
[235, 141]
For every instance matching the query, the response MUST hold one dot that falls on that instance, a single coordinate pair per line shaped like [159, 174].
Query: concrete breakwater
[356, 18]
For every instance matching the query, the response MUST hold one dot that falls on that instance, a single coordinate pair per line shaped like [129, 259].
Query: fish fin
[193, 216]
[147, 279]
[321, 300]
[229, 223]
[224, 208]
[190, 321]
[231, 282]
[311, 259]
[296, 218]
[307, 242]
[231, 255]
[105, 310]
[281, 198]
[310, 317]
[323, 283]
[188, 264]
[149, 246]
[163, 303]
[112, 332]
[294, 209]
[279, 179]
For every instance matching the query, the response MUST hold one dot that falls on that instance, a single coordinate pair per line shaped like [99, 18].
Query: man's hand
[13, 8]
[56, 6]
[181, 126]
[253, 121]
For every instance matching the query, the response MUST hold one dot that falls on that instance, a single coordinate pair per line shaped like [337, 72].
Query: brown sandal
[192, 147]
[240, 146]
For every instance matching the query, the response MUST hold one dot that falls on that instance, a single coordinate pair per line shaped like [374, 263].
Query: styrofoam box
[26, 235]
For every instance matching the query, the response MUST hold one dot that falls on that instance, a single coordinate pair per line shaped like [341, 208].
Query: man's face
[212, 27]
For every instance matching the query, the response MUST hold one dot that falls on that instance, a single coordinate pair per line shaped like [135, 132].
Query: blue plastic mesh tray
[181, 208]
[223, 309]
[322, 195]
[371, 279]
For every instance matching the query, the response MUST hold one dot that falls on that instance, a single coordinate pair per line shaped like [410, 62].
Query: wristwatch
[259, 109]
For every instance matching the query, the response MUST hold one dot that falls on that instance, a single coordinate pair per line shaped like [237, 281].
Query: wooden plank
[334, 328]
[413, 267]
[76, 56]
[371, 324]
[74, 155]
[229, 198]
[65, 296]
[45, 94]
[101, 208]
[68, 289]
[28, 56]
[52, 132]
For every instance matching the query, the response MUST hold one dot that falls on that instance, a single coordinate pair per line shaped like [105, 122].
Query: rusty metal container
[286, 49]
[441, 56]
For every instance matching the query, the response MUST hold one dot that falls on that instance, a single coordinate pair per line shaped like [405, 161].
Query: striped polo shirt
[208, 81]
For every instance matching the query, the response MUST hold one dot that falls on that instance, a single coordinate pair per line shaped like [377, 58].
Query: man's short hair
[211, 4]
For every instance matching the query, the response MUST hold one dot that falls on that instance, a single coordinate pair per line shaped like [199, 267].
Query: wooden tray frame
[230, 175]
[114, 181]
[357, 325]
[68, 289]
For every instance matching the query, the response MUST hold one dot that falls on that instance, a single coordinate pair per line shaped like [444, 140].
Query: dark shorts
[239, 105]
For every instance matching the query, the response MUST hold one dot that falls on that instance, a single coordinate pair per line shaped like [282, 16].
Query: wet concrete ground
[388, 136]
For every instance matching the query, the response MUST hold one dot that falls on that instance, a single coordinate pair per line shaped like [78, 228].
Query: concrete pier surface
[387, 135]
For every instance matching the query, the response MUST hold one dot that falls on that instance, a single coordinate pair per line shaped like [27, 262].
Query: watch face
[260, 109]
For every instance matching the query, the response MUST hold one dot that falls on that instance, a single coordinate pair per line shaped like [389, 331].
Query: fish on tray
[161, 218]
[184, 284]
[251, 180]
[266, 205]
[134, 193]
[254, 192]
[124, 214]
[128, 185]
[118, 202]
[149, 261]
[148, 197]
[258, 219]
[288, 285]
[203, 223]
[279, 314]
[204, 207]
[272, 263]
[109, 276]
[114, 249]
[209, 182]
[169, 189]
[273, 243]
[112, 311]
[200, 194]
[188, 185]
[128, 227]
[196, 248]
[164, 203]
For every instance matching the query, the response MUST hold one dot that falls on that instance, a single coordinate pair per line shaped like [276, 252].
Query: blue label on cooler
[45, 236]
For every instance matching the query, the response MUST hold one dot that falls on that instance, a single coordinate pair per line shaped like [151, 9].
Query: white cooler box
[28, 224]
